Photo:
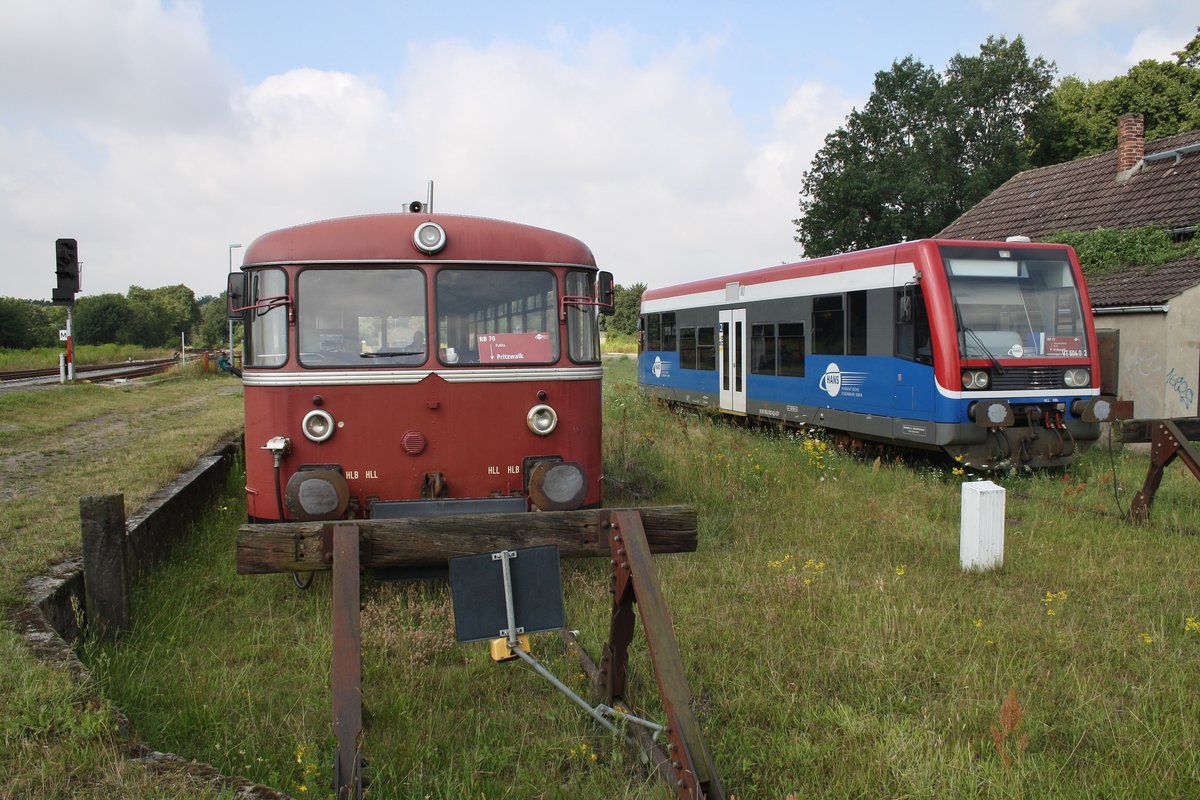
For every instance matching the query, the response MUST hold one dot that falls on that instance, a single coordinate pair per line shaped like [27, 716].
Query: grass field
[45, 357]
[833, 645]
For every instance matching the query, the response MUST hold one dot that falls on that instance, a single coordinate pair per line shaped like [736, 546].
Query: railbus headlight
[542, 419]
[974, 379]
[1076, 377]
[429, 237]
[317, 425]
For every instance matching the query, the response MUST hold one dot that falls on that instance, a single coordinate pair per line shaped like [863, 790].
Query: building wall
[1181, 381]
[1160, 358]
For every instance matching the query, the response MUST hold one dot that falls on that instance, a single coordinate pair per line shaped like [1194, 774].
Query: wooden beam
[431, 540]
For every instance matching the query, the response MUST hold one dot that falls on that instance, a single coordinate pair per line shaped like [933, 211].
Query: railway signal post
[66, 269]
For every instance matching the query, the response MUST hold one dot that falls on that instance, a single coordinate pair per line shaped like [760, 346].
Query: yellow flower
[900, 570]
[1192, 625]
[1147, 638]
[978, 623]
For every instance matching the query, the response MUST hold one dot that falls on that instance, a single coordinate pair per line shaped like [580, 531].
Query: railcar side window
[361, 317]
[583, 334]
[828, 326]
[706, 349]
[669, 341]
[687, 348]
[266, 329]
[791, 349]
[762, 349]
[856, 323]
[654, 332]
[490, 316]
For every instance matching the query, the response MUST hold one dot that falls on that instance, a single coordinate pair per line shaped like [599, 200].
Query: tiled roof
[1142, 286]
[1084, 194]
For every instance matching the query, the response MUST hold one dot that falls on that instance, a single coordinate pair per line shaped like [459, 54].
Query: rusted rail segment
[627, 537]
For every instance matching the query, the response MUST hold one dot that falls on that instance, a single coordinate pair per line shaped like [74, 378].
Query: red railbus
[419, 363]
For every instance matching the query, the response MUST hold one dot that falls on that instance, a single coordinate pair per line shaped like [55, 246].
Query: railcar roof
[905, 252]
[389, 237]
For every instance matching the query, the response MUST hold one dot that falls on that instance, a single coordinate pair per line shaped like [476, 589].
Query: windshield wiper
[962, 326]
[390, 353]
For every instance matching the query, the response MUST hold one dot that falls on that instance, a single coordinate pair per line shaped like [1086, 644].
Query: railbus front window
[1013, 303]
[490, 316]
[266, 327]
[361, 317]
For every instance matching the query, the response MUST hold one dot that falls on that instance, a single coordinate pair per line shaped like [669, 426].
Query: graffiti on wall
[1187, 395]
[1145, 361]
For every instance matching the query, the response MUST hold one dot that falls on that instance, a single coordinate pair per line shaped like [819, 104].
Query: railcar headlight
[1076, 377]
[317, 425]
[542, 419]
[974, 379]
[429, 237]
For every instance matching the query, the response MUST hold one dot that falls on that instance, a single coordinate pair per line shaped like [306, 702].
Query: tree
[627, 304]
[15, 324]
[101, 319]
[213, 328]
[925, 148]
[1166, 94]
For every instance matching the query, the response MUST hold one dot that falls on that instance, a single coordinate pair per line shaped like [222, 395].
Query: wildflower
[958, 471]
[1192, 625]
[978, 623]
[900, 570]
[1147, 638]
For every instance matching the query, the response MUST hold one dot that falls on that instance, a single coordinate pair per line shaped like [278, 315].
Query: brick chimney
[1131, 141]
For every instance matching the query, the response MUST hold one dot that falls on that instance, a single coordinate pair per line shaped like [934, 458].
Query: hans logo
[661, 369]
[835, 382]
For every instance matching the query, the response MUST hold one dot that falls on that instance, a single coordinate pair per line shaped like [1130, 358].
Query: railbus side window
[583, 332]
[791, 349]
[706, 349]
[687, 348]
[266, 328]
[654, 332]
[828, 326]
[762, 349]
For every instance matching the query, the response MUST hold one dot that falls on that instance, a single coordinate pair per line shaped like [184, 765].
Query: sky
[670, 137]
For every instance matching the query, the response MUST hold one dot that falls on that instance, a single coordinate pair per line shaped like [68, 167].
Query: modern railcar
[419, 363]
[985, 351]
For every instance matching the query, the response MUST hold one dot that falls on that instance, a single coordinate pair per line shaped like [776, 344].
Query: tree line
[144, 317]
[928, 145]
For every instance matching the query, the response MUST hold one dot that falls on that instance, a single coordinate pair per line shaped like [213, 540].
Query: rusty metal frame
[690, 770]
[1167, 442]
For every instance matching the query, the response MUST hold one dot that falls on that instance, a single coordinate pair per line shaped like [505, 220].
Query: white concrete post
[981, 539]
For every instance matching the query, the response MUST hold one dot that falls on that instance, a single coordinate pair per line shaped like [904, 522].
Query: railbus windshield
[351, 317]
[1015, 302]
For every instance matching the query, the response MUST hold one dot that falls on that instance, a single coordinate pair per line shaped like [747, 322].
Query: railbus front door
[732, 359]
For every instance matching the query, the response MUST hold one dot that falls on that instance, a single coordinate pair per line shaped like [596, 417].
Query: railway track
[125, 369]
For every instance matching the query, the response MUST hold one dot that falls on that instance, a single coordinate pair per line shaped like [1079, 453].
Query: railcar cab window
[913, 340]
[654, 332]
[361, 317]
[1014, 302]
[497, 317]
[266, 328]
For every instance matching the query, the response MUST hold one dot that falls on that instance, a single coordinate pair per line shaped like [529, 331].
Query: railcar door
[732, 359]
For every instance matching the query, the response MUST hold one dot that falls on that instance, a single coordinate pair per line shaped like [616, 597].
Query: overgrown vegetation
[833, 645]
[1107, 250]
[57, 444]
